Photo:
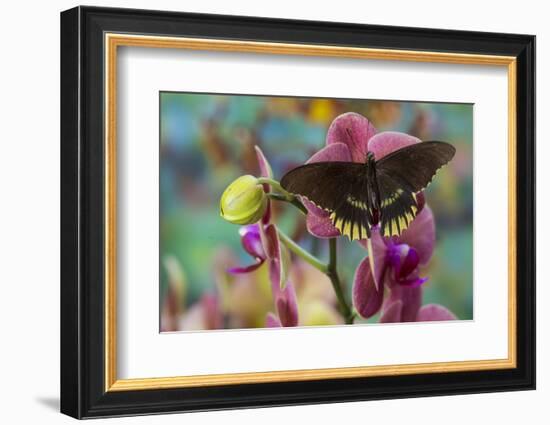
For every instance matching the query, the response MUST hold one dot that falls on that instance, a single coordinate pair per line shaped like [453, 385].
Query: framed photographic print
[262, 212]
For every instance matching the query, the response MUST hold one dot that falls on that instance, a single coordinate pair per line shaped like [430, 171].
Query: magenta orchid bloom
[284, 294]
[349, 138]
[286, 307]
[261, 241]
[252, 244]
[394, 263]
[265, 171]
[252, 239]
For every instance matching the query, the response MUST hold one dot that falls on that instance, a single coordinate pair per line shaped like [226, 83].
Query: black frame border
[82, 217]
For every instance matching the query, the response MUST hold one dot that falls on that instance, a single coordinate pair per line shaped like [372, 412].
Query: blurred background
[206, 141]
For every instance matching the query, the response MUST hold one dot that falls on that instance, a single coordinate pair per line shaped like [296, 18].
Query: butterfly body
[361, 195]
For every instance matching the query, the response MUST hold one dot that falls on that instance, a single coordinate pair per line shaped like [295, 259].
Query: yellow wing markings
[353, 230]
[396, 225]
[391, 199]
[357, 203]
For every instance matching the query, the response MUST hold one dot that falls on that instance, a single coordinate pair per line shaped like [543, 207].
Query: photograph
[301, 211]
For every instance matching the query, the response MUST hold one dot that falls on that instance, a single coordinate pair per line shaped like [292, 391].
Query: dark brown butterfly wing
[403, 173]
[340, 188]
[413, 167]
[397, 206]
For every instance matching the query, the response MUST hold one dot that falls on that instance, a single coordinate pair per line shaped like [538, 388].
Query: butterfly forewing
[401, 175]
[320, 182]
[414, 166]
[337, 187]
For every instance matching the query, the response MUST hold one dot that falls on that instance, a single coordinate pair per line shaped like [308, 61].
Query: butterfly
[361, 195]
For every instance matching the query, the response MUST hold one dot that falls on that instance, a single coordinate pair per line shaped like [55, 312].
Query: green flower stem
[302, 253]
[283, 195]
[276, 185]
[328, 269]
[336, 284]
[294, 201]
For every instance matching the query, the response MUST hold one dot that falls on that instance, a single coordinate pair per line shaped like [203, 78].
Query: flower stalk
[276, 185]
[329, 269]
[282, 194]
[302, 253]
[332, 273]
[294, 201]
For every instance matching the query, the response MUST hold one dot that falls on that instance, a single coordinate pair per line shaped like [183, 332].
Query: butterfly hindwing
[351, 217]
[337, 187]
[398, 206]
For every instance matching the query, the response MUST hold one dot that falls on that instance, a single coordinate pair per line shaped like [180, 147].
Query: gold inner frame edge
[113, 40]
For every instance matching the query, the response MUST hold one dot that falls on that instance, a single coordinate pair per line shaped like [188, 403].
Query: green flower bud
[243, 201]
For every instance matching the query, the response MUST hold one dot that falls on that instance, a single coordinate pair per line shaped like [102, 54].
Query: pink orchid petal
[421, 235]
[251, 241]
[245, 269]
[355, 131]
[287, 305]
[275, 271]
[277, 260]
[420, 201]
[265, 171]
[335, 152]
[266, 218]
[409, 263]
[367, 300]
[387, 142]
[321, 227]
[413, 281]
[265, 168]
[313, 209]
[252, 244]
[434, 312]
[272, 321]
[271, 242]
[392, 314]
[411, 298]
[211, 311]
[377, 251]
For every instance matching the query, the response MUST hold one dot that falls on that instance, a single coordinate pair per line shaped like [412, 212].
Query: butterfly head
[369, 159]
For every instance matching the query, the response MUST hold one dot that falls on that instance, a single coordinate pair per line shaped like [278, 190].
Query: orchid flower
[286, 306]
[349, 138]
[261, 241]
[387, 280]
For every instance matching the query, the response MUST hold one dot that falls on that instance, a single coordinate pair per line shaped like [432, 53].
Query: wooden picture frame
[90, 39]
